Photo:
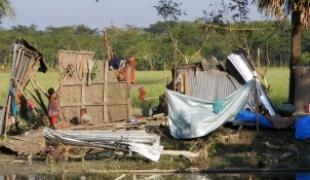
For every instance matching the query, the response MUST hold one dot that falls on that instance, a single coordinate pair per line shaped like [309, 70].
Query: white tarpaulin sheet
[190, 117]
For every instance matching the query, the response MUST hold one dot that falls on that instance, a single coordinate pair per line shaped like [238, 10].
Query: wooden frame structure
[106, 99]
[23, 67]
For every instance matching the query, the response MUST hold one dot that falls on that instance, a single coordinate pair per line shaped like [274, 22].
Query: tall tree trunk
[295, 51]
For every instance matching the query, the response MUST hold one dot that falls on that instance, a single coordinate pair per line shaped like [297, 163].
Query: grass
[45, 81]
[278, 79]
[153, 83]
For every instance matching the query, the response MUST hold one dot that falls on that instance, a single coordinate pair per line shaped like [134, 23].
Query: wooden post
[106, 45]
[165, 84]
[105, 91]
[174, 76]
[302, 88]
[258, 58]
[165, 80]
[256, 104]
[186, 86]
[7, 112]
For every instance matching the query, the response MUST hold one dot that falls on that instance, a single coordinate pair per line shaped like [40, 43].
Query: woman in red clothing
[52, 107]
[131, 78]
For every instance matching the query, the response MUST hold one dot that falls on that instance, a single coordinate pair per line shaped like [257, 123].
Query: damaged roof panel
[211, 85]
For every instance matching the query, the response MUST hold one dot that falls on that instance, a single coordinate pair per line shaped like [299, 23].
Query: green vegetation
[278, 79]
[153, 83]
[152, 46]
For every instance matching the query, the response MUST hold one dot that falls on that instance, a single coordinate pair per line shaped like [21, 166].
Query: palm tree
[300, 19]
[6, 9]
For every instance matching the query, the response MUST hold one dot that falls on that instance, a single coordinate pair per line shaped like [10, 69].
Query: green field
[153, 82]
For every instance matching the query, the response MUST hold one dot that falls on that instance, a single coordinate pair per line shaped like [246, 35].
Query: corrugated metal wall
[211, 85]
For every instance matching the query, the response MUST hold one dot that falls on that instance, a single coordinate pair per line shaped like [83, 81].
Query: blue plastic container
[302, 128]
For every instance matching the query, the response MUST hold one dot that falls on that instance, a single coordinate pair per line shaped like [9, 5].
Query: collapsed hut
[26, 61]
[212, 80]
[208, 94]
[83, 84]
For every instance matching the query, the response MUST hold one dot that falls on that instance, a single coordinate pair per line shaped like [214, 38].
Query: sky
[139, 13]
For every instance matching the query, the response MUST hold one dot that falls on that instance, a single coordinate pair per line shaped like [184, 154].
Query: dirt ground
[226, 148]
[250, 149]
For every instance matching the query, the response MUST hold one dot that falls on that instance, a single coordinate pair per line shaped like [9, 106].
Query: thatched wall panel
[94, 94]
[117, 93]
[117, 113]
[112, 76]
[96, 113]
[70, 95]
[99, 71]
[75, 93]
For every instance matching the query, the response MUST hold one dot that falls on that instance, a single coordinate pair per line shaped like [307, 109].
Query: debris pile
[147, 145]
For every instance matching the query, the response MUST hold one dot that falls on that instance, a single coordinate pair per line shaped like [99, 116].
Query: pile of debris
[212, 93]
[26, 60]
[145, 144]
[85, 86]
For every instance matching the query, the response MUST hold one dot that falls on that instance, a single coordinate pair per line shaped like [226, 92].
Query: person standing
[131, 70]
[52, 107]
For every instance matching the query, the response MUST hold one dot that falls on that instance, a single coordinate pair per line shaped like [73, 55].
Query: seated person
[115, 63]
[85, 119]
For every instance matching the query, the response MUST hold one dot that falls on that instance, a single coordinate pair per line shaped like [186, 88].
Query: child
[13, 106]
[85, 118]
[52, 107]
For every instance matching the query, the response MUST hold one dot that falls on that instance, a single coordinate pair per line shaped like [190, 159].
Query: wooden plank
[8, 107]
[86, 104]
[93, 82]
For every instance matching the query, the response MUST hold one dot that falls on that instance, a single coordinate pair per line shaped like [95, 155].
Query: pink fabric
[52, 106]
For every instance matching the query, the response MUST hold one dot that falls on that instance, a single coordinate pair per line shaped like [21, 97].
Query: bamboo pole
[34, 86]
[258, 58]
[174, 76]
[106, 45]
[186, 154]
[105, 92]
[256, 96]
[185, 81]
[165, 80]
[202, 170]
[165, 84]
[8, 107]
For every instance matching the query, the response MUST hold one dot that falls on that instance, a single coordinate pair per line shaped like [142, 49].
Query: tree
[6, 9]
[300, 18]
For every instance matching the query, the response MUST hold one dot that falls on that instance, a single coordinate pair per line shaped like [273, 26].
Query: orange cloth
[122, 74]
[17, 97]
[141, 93]
[132, 70]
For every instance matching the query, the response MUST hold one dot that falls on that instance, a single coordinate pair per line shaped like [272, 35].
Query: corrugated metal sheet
[211, 85]
[248, 73]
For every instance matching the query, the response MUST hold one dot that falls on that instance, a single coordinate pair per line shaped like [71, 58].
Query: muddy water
[297, 176]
